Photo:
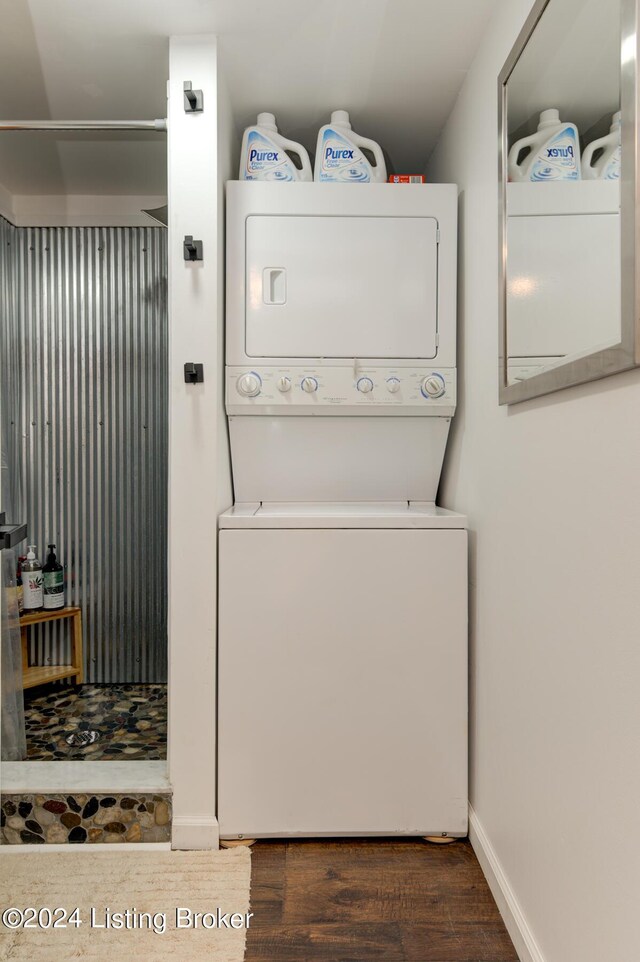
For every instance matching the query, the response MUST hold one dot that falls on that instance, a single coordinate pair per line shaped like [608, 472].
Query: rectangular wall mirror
[568, 198]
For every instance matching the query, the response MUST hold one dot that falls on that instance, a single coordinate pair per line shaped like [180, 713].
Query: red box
[406, 178]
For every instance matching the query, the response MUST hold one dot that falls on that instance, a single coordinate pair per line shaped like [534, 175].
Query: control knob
[365, 385]
[249, 384]
[284, 384]
[309, 384]
[393, 384]
[433, 386]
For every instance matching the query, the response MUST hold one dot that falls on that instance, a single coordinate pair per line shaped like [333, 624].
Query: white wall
[6, 205]
[77, 210]
[228, 158]
[552, 491]
[197, 485]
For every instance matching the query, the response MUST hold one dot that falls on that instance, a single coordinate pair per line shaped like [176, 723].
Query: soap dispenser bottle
[53, 573]
[32, 581]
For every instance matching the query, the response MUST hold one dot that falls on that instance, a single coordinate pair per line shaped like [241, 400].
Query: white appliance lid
[346, 514]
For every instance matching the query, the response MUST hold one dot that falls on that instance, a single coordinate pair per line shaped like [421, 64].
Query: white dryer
[343, 621]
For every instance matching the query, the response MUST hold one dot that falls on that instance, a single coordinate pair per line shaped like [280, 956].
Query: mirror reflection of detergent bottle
[265, 154]
[607, 165]
[341, 154]
[554, 152]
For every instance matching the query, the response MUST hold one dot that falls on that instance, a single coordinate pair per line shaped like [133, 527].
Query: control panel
[341, 390]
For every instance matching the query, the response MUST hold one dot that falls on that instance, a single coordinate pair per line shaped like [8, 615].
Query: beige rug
[140, 891]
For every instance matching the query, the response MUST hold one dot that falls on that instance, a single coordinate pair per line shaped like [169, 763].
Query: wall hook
[193, 100]
[193, 373]
[192, 249]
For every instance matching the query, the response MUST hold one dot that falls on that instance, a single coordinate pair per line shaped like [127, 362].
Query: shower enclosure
[83, 369]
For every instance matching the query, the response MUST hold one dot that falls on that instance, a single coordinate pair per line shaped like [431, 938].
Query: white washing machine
[342, 701]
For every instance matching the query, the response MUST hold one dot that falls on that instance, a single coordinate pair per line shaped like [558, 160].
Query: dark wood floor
[359, 901]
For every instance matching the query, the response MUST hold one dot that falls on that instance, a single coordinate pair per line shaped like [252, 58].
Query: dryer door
[341, 287]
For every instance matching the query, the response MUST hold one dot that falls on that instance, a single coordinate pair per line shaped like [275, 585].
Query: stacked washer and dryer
[342, 704]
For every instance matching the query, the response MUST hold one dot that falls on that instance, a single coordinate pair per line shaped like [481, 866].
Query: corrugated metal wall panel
[92, 418]
[10, 491]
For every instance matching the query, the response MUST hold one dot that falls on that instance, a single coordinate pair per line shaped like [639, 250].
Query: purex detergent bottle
[265, 154]
[340, 158]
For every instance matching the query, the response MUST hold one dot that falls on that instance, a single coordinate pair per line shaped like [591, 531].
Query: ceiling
[397, 65]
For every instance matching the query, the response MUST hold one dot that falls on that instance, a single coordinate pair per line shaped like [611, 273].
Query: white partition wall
[199, 478]
[551, 490]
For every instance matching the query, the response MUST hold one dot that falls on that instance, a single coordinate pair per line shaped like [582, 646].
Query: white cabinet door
[342, 682]
[341, 287]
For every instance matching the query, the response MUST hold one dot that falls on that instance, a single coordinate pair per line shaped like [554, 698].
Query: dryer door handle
[274, 285]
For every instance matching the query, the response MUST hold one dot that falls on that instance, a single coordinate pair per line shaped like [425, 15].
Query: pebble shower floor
[131, 721]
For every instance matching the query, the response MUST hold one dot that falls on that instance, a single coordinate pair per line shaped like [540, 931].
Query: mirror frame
[626, 354]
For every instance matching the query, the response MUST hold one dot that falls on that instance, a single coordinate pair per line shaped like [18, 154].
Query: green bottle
[53, 581]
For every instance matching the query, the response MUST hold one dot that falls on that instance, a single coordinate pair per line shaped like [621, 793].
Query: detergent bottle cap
[549, 118]
[267, 120]
[341, 118]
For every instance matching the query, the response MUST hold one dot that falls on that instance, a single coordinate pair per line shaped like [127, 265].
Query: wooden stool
[41, 674]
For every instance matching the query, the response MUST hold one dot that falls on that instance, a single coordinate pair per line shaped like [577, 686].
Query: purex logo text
[560, 152]
[332, 154]
[263, 155]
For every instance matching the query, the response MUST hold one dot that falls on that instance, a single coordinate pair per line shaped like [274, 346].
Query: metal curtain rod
[160, 124]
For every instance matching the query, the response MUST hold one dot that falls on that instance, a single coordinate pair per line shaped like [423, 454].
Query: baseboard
[195, 832]
[512, 915]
